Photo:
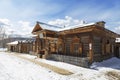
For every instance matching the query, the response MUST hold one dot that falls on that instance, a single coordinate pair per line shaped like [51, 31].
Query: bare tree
[2, 35]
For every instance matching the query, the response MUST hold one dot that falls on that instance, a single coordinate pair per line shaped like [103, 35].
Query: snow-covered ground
[14, 68]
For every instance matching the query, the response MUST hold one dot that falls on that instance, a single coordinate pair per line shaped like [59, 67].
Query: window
[76, 48]
[97, 45]
[85, 45]
[41, 35]
[53, 47]
[108, 46]
[68, 45]
[108, 42]
[60, 49]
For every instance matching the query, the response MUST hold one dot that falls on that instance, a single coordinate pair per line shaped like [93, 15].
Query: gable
[46, 26]
[37, 28]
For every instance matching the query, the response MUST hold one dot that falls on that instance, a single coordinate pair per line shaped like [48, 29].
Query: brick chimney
[100, 23]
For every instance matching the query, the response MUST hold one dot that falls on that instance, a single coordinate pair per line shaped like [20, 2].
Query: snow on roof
[23, 41]
[28, 40]
[77, 26]
[13, 43]
[110, 63]
[57, 28]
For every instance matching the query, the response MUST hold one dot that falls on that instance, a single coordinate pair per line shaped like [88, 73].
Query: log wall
[79, 61]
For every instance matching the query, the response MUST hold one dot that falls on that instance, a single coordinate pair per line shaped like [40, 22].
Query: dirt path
[51, 67]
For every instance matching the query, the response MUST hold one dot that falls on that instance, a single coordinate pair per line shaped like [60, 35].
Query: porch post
[91, 48]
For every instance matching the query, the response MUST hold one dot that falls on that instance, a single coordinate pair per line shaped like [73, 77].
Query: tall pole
[10, 37]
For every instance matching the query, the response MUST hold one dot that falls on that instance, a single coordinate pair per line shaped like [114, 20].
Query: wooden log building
[21, 46]
[25, 46]
[92, 41]
[12, 46]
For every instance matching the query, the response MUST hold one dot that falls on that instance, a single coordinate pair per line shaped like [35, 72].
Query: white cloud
[27, 10]
[19, 28]
[4, 21]
[25, 27]
[5, 24]
[67, 21]
[117, 30]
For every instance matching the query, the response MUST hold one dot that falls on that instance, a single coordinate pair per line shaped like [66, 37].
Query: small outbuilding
[21, 46]
[25, 46]
[13, 46]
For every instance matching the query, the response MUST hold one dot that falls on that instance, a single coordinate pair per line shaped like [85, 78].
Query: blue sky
[20, 12]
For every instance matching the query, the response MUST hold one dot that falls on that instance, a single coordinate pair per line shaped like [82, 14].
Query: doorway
[117, 52]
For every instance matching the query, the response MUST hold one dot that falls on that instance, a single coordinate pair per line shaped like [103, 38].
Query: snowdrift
[113, 63]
